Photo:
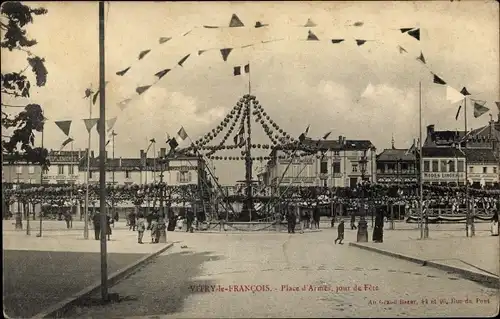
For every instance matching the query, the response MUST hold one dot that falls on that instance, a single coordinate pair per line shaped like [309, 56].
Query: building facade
[64, 167]
[397, 166]
[448, 154]
[344, 163]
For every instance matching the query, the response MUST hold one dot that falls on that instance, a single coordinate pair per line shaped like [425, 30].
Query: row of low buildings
[344, 163]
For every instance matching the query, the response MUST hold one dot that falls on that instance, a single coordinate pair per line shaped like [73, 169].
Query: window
[485, 170]
[336, 167]
[127, 174]
[184, 177]
[427, 165]
[324, 167]
[451, 166]
[90, 174]
[444, 165]
[461, 166]
[19, 169]
[354, 167]
[336, 153]
[31, 169]
[71, 170]
[435, 166]
[494, 170]
[471, 169]
[60, 169]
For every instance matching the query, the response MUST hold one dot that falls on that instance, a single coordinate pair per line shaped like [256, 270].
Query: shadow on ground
[160, 287]
[35, 280]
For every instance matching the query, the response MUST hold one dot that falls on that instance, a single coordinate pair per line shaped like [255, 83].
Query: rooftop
[395, 155]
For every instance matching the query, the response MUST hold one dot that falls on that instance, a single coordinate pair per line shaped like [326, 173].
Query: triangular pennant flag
[123, 104]
[370, 89]
[109, 141]
[143, 53]
[183, 59]
[310, 24]
[307, 129]
[247, 68]
[464, 91]
[360, 42]
[421, 58]
[200, 52]
[326, 135]
[88, 92]
[259, 24]
[142, 89]
[235, 22]
[237, 70]
[94, 98]
[168, 137]
[111, 122]
[182, 133]
[403, 30]
[479, 109]
[401, 49]
[458, 112]
[358, 24]
[311, 36]
[97, 127]
[438, 80]
[122, 72]
[89, 123]
[415, 33]
[225, 53]
[210, 26]
[164, 39]
[498, 105]
[453, 95]
[64, 126]
[66, 142]
[334, 41]
[162, 73]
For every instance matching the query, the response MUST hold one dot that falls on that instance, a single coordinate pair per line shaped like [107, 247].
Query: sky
[298, 82]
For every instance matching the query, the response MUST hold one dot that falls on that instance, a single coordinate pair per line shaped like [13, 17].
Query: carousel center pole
[248, 161]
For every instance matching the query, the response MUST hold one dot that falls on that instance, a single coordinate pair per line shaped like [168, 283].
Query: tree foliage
[19, 146]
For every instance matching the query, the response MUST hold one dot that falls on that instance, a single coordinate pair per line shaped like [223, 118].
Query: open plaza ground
[257, 274]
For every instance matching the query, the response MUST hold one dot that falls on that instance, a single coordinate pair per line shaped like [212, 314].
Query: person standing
[96, 220]
[109, 221]
[154, 228]
[131, 221]
[378, 230]
[340, 232]
[141, 227]
[190, 219]
[316, 216]
[291, 219]
[353, 221]
[67, 218]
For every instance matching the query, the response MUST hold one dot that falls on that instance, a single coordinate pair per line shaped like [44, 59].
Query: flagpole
[249, 80]
[102, 154]
[467, 214]
[85, 213]
[422, 235]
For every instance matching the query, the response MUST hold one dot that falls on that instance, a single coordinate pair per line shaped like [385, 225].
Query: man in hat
[96, 220]
[340, 231]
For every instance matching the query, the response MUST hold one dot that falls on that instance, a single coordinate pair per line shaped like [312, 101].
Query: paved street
[179, 283]
[39, 272]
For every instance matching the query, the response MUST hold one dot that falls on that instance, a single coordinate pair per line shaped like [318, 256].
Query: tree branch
[8, 105]
[11, 93]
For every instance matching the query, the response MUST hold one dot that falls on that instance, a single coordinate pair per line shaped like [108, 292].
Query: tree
[19, 146]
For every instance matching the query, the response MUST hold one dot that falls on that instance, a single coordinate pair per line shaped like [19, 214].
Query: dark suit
[96, 219]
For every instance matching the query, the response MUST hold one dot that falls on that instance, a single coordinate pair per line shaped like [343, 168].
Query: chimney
[430, 129]
[163, 152]
[143, 158]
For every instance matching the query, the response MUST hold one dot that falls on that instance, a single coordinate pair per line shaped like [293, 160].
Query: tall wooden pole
[421, 160]
[468, 223]
[87, 180]
[102, 155]
[41, 179]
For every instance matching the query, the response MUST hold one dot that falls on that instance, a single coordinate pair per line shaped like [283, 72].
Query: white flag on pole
[453, 95]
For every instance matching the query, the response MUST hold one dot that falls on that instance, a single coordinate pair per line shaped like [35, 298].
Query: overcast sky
[297, 82]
